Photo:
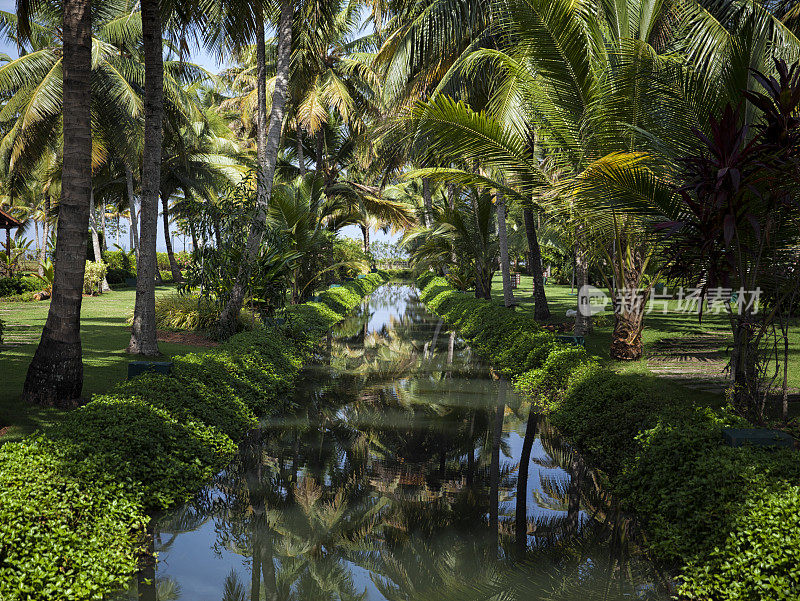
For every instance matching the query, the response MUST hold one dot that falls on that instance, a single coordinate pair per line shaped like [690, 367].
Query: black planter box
[756, 437]
[137, 368]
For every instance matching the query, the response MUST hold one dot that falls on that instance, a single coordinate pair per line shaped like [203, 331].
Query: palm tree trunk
[301, 160]
[427, 199]
[365, 234]
[98, 255]
[521, 518]
[583, 319]
[494, 469]
[143, 332]
[230, 315]
[173, 264]
[134, 232]
[103, 237]
[36, 234]
[55, 376]
[45, 234]
[541, 310]
[505, 269]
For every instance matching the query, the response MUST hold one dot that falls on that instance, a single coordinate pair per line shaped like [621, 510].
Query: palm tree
[55, 375]
[199, 159]
[143, 331]
[562, 83]
[229, 316]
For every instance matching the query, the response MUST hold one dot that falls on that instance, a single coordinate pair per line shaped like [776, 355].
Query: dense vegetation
[724, 517]
[73, 499]
[626, 145]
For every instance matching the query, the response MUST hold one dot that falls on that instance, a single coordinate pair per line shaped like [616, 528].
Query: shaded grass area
[104, 335]
[658, 325]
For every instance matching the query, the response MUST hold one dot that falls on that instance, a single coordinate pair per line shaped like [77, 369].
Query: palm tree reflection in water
[401, 470]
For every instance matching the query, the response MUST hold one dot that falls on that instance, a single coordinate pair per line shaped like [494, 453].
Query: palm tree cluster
[556, 131]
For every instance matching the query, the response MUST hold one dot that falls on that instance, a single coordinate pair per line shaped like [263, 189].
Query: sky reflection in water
[377, 482]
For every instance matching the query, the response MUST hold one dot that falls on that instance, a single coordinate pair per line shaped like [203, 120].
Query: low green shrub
[19, 284]
[184, 400]
[61, 537]
[93, 277]
[121, 260]
[144, 446]
[760, 559]
[117, 277]
[188, 312]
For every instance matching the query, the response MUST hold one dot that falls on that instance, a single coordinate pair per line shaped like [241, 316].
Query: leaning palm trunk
[134, 233]
[55, 376]
[505, 269]
[541, 310]
[98, 255]
[173, 264]
[583, 320]
[45, 234]
[266, 171]
[143, 332]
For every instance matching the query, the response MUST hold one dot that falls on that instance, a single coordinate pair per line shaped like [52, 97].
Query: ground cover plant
[700, 502]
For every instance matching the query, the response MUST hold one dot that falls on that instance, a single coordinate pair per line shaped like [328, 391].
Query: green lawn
[658, 326]
[104, 334]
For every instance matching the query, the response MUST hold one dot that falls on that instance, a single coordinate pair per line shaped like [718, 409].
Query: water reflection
[399, 470]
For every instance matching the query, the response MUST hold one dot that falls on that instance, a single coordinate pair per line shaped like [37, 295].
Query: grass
[657, 326]
[104, 335]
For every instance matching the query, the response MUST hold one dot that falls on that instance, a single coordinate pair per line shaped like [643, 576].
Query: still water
[401, 470]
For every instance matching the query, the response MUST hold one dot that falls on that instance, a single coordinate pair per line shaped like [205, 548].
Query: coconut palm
[198, 160]
[55, 375]
[590, 115]
[266, 161]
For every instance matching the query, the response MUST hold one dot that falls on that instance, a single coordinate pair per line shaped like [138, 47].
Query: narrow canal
[399, 473]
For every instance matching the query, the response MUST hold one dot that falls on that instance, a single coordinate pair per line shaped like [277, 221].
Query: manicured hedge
[61, 537]
[726, 520]
[73, 500]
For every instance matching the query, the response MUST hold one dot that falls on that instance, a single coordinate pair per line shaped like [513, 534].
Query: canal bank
[401, 471]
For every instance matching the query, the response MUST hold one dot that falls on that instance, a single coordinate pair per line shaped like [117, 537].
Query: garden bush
[143, 446]
[61, 537]
[189, 312]
[184, 400]
[119, 259]
[760, 558]
[93, 277]
[19, 284]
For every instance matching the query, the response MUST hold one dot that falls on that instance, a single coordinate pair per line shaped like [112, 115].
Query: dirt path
[696, 362]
